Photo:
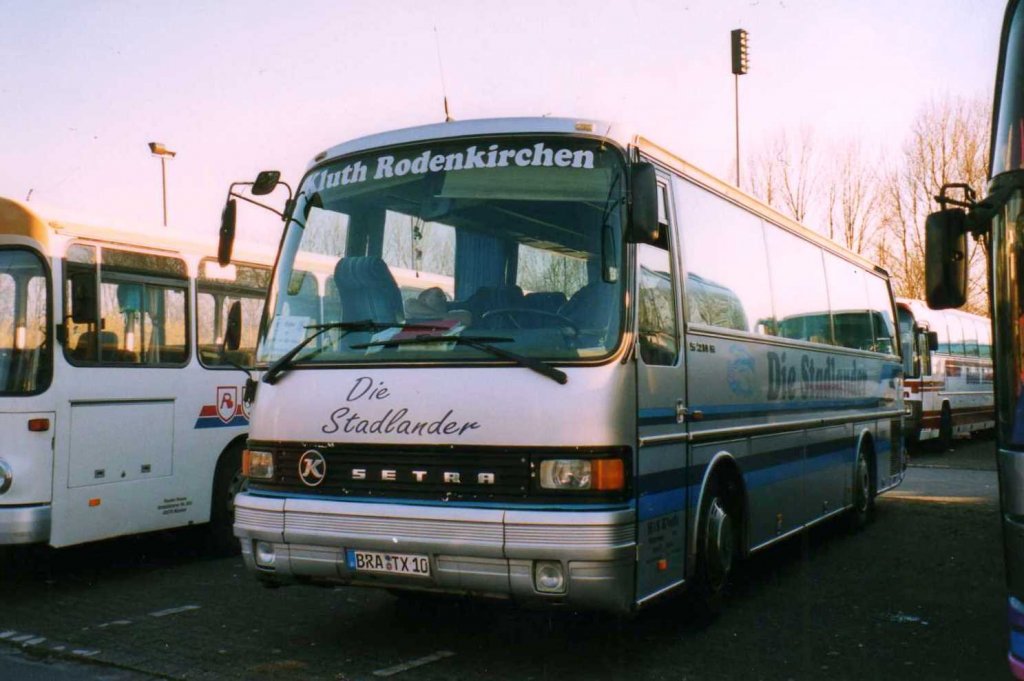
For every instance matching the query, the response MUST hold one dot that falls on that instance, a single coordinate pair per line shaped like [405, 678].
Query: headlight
[258, 465]
[582, 474]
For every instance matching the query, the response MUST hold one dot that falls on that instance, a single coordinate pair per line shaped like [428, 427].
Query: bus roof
[40, 222]
[920, 310]
[586, 127]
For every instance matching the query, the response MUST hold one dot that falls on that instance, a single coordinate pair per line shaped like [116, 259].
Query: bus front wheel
[227, 482]
[717, 537]
[863, 493]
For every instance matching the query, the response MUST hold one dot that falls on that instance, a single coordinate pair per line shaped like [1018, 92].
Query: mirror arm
[257, 203]
[979, 213]
[288, 206]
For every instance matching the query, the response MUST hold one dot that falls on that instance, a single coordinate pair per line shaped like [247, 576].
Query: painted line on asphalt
[173, 611]
[115, 623]
[406, 666]
[26, 640]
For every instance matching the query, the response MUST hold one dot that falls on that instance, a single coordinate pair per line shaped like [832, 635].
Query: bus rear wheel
[946, 428]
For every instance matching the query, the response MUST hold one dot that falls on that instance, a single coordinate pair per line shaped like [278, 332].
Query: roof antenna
[28, 197]
[444, 90]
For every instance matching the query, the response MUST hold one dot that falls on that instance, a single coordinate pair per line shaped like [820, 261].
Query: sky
[239, 87]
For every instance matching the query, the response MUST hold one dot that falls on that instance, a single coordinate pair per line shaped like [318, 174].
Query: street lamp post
[740, 65]
[164, 153]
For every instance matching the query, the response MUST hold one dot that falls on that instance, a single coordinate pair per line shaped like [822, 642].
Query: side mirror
[233, 332]
[266, 182]
[644, 227]
[83, 298]
[227, 233]
[946, 259]
[933, 341]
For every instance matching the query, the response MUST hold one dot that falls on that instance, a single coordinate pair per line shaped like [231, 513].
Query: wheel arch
[237, 442]
[866, 444]
[723, 463]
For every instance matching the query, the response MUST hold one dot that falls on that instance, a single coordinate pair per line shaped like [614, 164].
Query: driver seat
[367, 290]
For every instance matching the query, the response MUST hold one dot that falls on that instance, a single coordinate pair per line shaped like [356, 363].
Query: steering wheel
[512, 312]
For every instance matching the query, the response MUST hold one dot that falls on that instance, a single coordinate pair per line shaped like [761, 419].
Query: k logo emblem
[312, 468]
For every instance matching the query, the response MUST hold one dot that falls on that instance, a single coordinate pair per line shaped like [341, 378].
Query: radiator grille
[437, 473]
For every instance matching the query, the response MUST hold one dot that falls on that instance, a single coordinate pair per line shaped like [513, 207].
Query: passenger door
[126, 348]
[661, 399]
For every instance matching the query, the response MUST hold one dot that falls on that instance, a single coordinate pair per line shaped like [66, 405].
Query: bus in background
[598, 412]
[998, 221]
[120, 401]
[948, 374]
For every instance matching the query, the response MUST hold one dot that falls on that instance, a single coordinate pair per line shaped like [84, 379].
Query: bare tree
[783, 173]
[947, 143]
[849, 192]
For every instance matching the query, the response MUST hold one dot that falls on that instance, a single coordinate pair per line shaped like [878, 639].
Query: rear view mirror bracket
[266, 182]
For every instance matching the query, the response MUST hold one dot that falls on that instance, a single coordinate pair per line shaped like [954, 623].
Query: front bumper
[477, 551]
[24, 524]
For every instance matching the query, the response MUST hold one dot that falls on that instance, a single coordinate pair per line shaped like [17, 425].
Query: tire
[227, 482]
[945, 442]
[717, 535]
[863, 509]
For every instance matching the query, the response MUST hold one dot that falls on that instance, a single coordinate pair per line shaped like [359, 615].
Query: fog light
[265, 556]
[548, 577]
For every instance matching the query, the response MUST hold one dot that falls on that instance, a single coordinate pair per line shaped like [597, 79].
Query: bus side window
[139, 315]
[659, 334]
[218, 290]
[81, 315]
[727, 282]
[658, 327]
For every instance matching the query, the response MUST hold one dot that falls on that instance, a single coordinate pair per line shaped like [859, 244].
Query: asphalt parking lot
[918, 594]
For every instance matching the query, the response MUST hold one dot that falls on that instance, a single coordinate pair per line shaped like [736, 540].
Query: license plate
[389, 563]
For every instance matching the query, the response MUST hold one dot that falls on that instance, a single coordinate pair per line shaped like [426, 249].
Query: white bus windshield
[516, 240]
[25, 365]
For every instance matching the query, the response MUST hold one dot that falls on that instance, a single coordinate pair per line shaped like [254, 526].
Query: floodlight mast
[158, 149]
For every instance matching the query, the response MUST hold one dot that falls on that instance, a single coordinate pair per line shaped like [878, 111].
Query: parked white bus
[948, 372]
[642, 375]
[119, 408]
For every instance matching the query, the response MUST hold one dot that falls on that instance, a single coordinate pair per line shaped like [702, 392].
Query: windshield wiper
[480, 343]
[282, 363]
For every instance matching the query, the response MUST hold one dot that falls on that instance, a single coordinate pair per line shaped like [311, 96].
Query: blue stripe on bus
[214, 422]
[662, 503]
[657, 416]
[668, 491]
[1017, 643]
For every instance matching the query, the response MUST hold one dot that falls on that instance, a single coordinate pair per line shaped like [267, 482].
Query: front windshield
[1007, 145]
[24, 348]
[515, 239]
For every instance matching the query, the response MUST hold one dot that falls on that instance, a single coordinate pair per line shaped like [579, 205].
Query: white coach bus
[948, 374]
[120, 408]
[642, 374]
